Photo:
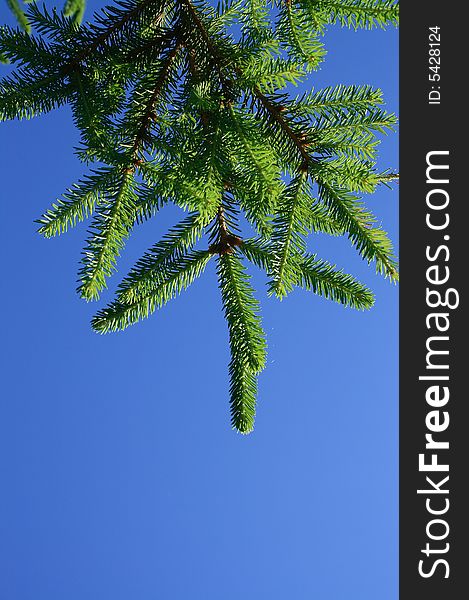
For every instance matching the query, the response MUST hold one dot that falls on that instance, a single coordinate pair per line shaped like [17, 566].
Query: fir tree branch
[386, 177]
[108, 232]
[74, 9]
[353, 13]
[174, 277]
[77, 203]
[148, 116]
[371, 242]
[210, 45]
[323, 279]
[104, 36]
[249, 150]
[287, 237]
[243, 395]
[258, 251]
[174, 107]
[241, 312]
[15, 8]
[275, 112]
[148, 269]
[247, 343]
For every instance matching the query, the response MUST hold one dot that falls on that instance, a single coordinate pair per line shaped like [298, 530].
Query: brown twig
[226, 241]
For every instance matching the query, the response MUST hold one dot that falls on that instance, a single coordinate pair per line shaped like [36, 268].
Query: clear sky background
[121, 478]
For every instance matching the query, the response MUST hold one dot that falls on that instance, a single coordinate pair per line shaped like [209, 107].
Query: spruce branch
[315, 275]
[212, 50]
[107, 235]
[16, 9]
[288, 241]
[275, 112]
[173, 277]
[171, 248]
[387, 177]
[247, 340]
[354, 14]
[322, 278]
[372, 242]
[77, 203]
[174, 106]
[241, 312]
[149, 116]
[109, 28]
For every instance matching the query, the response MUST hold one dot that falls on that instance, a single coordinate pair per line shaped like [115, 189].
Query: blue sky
[121, 477]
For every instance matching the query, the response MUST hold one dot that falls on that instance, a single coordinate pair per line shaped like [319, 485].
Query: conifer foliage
[183, 102]
[74, 9]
